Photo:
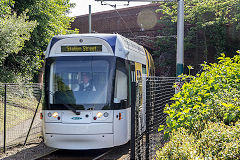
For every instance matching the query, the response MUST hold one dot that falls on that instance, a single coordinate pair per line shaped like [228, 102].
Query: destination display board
[82, 48]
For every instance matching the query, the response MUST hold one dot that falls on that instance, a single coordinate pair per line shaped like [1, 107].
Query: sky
[82, 6]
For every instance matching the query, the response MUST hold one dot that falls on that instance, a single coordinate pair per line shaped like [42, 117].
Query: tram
[87, 102]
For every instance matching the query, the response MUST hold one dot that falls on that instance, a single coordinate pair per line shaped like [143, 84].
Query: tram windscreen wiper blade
[72, 109]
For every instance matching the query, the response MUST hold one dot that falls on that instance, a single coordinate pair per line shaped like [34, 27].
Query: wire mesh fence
[140, 116]
[18, 105]
[147, 139]
[160, 90]
[20, 102]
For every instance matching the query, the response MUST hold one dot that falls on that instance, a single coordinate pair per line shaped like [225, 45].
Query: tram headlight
[105, 114]
[55, 114]
[99, 114]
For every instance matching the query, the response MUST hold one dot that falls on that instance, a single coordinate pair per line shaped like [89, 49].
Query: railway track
[42, 152]
[75, 155]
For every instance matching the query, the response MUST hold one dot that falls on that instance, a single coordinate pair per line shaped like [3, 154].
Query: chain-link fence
[159, 91]
[147, 140]
[20, 103]
[19, 113]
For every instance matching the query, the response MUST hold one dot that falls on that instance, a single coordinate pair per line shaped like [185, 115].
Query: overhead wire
[125, 23]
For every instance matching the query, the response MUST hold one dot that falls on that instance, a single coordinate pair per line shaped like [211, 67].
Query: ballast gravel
[29, 152]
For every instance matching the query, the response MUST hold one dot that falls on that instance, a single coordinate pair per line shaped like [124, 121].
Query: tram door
[122, 108]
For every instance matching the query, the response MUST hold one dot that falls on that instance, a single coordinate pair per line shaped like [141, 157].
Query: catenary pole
[180, 38]
[90, 19]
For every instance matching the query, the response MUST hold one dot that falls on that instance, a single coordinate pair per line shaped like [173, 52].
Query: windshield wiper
[72, 109]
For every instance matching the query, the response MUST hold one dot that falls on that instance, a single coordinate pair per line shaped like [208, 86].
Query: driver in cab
[86, 85]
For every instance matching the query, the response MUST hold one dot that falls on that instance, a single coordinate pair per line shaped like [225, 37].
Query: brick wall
[122, 21]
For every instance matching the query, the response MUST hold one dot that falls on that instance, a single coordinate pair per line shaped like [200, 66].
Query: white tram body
[93, 119]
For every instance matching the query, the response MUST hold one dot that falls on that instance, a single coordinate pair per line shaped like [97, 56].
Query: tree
[4, 7]
[213, 95]
[166, 45]
[210, 27]
[52, 19]
[14, 31]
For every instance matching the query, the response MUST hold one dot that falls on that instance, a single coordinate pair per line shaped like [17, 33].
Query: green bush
[181, 146]
[217, 141]
[204, 120]
[212, 95]
[220, 141]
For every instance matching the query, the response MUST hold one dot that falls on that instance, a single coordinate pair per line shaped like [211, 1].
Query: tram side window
[120, 87]
[144, 71]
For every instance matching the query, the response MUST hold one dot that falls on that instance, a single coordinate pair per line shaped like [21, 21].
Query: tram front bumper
[78, 136]
[79, 142]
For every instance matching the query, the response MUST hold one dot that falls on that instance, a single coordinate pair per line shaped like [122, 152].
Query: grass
[19, 109]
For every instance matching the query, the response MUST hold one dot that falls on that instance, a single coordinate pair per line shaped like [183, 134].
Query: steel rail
[102, 155]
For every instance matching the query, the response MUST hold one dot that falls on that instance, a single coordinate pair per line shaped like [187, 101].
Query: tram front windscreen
[82, 83]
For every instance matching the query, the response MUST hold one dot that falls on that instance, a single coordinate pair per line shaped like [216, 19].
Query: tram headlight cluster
[54, 114]
[100, 114]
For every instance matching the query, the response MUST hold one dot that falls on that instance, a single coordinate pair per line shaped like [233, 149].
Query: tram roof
[121, 46]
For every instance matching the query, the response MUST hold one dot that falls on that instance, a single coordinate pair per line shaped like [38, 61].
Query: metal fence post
[147, 118]
[5, 115]
[33, 119]
[133, 106]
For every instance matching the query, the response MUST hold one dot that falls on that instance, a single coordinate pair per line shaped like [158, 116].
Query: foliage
[210, 28]
[166, 45]
[167, 41]
[29, 26]
[4, 7]
[213, 95]
[52, 18]
[14, 32]
[204, 12]
[181, 146]
[217, 141]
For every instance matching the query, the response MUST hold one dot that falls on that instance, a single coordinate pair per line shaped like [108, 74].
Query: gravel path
[119, 153]
[29, 152]
[37, 149]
